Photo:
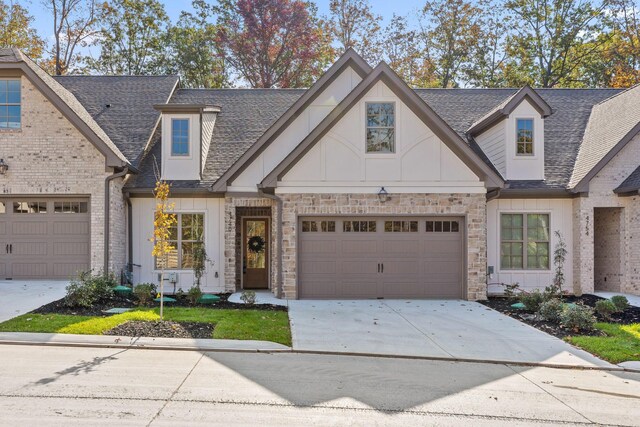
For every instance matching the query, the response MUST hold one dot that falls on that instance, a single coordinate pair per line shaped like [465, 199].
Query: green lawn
[621, 344]
[230, 324]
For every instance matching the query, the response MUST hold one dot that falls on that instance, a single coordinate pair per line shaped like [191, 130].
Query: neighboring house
[359, 187]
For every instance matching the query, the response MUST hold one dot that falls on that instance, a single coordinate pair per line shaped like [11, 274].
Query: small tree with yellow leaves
[163, 221]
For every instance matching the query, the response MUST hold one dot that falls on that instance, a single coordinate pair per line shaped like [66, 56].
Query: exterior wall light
[3, 167]
[383, 196]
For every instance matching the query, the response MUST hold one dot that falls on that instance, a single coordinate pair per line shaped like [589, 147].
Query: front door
[255, 267]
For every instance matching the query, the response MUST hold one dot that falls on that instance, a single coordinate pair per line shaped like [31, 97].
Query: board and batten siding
[493, 143]
[339, 163]
[301, 126]
[142, 232]
[181, 167]
[560, 219]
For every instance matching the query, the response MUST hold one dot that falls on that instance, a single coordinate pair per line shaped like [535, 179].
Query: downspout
[279, 262]
[107, 211]
[127, 200]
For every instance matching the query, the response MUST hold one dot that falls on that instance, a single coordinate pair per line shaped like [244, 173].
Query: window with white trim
[381, 127]
[10, 104]
[524, 241]
[524, 137]
[179, 137]
[186, 236]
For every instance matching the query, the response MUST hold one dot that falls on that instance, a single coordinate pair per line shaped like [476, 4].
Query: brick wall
[49, 156]
[473, 206]
[608, 260]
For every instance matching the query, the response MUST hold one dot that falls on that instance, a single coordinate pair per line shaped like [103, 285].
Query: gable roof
[612, 124]
[384, 73]
[507, 106]
[631, 184]
[349, 59]
[66, 102]
[123, 106]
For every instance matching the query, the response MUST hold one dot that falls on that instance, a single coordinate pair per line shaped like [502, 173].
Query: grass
[621, 343]
[230, 324]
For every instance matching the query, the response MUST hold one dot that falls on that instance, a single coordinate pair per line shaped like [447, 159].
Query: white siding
[525, 167]
[560, 219]
[296, 131]
[421, 163]
[181, 167]
[492, 142]
[142, 232]
[208, 122]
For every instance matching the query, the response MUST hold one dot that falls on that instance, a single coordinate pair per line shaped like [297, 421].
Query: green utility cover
[208, 299]
[122, 289]
[165, 299]
[570, 304]
[518, 305]
[117, 310]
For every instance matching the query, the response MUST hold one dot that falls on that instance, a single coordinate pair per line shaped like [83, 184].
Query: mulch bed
[59, 306]
[503, 305]
[162, 329]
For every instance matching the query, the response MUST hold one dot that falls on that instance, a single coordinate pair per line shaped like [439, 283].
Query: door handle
[6, 248]
[382, 270]
[378, 267]
[10, 248]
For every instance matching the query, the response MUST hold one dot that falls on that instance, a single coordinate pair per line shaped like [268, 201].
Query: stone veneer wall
[601, 195]
[473, 206]
[232, 258]
[49, 156]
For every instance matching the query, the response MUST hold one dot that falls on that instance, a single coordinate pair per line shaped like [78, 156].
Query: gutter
[107, 212]
[278, 219]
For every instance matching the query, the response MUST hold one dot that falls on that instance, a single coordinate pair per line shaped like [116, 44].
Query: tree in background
[16, 30]
[554, 39]
[133, 38]
[192, 52]
[354, 25]
[74, 27]
[623, 51]
[450, 31]
[163, 222]
[270, 43]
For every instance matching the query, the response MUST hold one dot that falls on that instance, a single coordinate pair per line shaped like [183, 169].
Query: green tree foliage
[355, 25]
[16, 30]
[133, 38]
[192, 52]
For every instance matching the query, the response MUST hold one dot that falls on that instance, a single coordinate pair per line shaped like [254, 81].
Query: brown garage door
[43, 238]
[396, 257]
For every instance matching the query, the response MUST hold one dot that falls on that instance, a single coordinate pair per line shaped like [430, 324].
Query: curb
[290, 350]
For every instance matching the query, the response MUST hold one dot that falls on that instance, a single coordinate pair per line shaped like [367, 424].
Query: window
[524, 137]
[401, 226]
[524, 242]
[381, 122]
[359, 226]
[10, 104]
[29, 207]
[442, 227]
[185, 237]
[70, 207]
[2, 208]
[179, 137]
[318, 226]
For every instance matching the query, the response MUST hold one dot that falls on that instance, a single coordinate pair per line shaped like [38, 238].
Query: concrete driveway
[22, 296]
[426, 328]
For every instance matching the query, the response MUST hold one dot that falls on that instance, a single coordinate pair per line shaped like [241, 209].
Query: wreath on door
[256, 244]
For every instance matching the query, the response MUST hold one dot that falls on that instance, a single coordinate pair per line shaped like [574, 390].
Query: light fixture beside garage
[3, 167]
[383, 195]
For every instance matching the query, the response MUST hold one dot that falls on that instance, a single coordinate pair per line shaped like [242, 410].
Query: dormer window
[381, 127]
[9, 104]
[179, 137]
[524, 137]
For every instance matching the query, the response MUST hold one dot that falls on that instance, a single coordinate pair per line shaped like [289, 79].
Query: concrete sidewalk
[634, 300]
[446, 329]
[22, 296]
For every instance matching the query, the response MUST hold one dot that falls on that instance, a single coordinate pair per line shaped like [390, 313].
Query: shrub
[532, 300]
[144, 292]
[512, 291]
[578, 318]
[248, 297]
[551, 310]
[194, 294]
[621, 302]
[605, 308]
[88, 288]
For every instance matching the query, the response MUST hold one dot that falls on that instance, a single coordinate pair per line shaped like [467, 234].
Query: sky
[386, 8]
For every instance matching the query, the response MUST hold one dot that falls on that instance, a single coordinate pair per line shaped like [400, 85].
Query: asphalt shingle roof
[632, 183]
[130, 117]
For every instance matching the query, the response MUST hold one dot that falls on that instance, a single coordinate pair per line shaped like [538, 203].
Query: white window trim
[189, 150]
[19, 80]
[374, 154]
[551, 242]
[533, 138]
[204, 240]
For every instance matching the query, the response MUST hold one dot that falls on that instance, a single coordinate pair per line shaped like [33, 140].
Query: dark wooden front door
[255, 253]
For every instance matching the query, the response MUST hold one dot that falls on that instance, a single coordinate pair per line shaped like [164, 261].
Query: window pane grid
[524, 136]
[359, 226]
[10, 111]
[380, 122]
[442, 226]
[318, 226]
[185, 238]
[401, 226]
[180, 137]
[514, 228]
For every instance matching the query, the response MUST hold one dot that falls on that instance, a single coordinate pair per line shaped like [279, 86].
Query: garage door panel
[404, 288]
[29, 269]
[353, 247]
[30, 248]
[318, 267]
[402, 247]
[318, 247]
[359, 288]
[3, 228]
[67, 269]
[394, 267]
[70, 248]
[353, 267]
[29, 228]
